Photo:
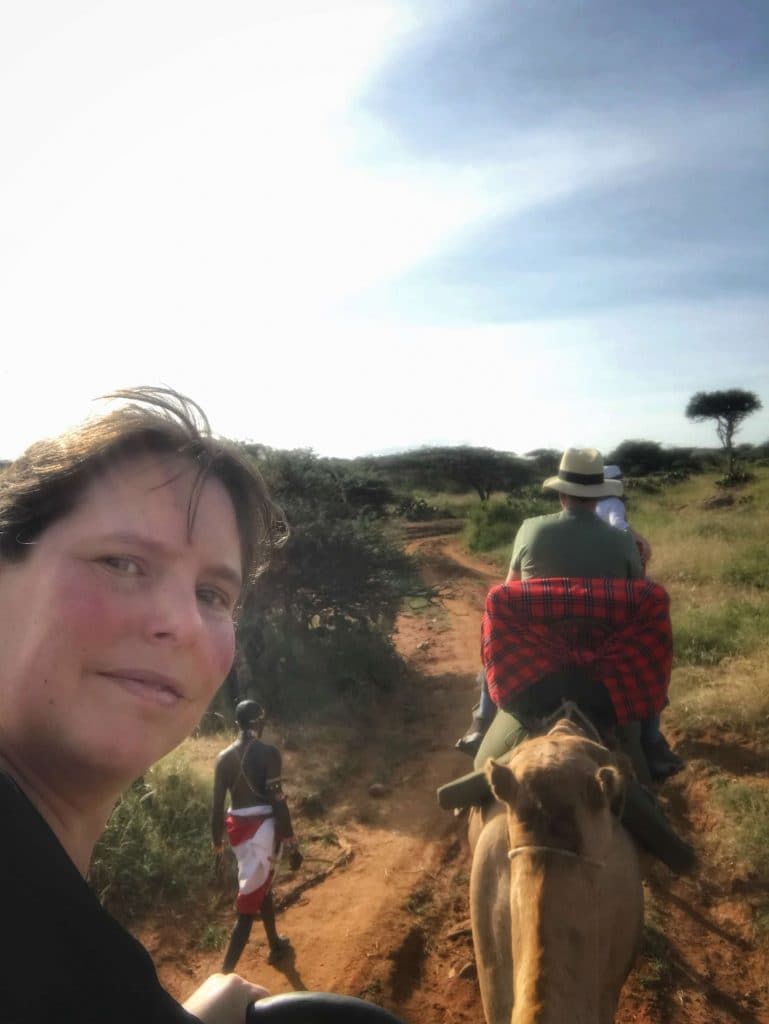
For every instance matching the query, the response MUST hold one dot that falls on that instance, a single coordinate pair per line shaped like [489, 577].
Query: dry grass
[745, 806]
[715, 565]
[732, 696]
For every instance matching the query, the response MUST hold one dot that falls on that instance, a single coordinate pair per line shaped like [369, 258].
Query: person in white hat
[572, 542]
[612, 511]
[575, 541]
[662, 760]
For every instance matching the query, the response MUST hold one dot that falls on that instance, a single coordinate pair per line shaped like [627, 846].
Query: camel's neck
[555, 945]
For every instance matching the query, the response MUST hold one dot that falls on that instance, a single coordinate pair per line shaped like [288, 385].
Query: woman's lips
[152, 686]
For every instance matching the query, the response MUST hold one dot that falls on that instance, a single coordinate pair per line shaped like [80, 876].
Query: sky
[362, 226]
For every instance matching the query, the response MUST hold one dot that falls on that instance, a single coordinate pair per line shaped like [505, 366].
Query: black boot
[472, 739]
[645, 820]
[661, 759]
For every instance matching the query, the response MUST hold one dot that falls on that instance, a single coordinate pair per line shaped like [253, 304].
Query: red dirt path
[391, 924]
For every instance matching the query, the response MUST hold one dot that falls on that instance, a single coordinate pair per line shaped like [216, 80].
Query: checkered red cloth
[620, 629]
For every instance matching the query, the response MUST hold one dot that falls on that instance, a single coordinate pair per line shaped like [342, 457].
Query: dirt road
[390, 922]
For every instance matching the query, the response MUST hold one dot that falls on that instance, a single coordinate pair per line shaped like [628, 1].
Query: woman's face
[116, 630]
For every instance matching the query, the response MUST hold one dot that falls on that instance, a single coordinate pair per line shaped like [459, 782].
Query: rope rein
[555, 849]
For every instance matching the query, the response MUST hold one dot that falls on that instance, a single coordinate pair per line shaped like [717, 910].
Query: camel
[555, 890]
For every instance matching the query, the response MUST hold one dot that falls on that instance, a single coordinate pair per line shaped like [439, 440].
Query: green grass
[745, 805]
[420, 900]
[450, 505]
[213, 937]
[655, 973]
[730, 697]
[750, 568]
[706, 636]
[761, 920]
[156, 847]
[744, 839]
[655, 968]
[714, 562]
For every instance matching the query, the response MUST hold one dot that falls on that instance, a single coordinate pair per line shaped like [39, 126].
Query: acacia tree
[728, 409]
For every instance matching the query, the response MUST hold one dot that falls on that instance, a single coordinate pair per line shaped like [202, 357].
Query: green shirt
[575, 542]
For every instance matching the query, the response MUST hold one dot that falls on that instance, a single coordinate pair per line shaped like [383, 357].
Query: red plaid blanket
[619, 628]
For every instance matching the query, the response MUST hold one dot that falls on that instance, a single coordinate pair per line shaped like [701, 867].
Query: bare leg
[278, 944]
[238, 940]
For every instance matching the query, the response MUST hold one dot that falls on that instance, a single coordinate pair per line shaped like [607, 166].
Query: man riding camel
[258, 827]
[574, 621]
[575, 542]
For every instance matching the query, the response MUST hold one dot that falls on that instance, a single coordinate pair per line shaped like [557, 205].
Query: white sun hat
[581, 474]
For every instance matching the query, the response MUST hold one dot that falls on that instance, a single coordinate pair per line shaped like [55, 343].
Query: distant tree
[460, 468]
[728, 409]
[637, 458]
[545, 460]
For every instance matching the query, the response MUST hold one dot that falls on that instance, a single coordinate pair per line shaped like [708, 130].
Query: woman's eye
[215, 598]
[123, 564]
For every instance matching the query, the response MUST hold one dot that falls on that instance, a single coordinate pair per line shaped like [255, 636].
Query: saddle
[641, 815]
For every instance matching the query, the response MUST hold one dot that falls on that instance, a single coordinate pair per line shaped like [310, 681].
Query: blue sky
[366, 225]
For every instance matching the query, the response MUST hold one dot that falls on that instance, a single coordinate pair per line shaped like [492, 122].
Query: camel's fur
[560, 931]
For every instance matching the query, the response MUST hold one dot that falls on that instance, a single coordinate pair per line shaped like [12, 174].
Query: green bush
[495, 525]
[417, 510]
[323, 613]
[157, 844]
[306, 670]
[737, 478]
[491, 526]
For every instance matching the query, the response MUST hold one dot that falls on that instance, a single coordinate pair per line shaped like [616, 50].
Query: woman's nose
[175, 614]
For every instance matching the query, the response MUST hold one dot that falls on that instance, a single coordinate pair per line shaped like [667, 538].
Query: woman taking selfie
[126, 546]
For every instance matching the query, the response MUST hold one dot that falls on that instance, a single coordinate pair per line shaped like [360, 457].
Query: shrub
[325, 609]
[496, 524]
[637, 457]
[736, 478]
[157, 845]
[417, 510]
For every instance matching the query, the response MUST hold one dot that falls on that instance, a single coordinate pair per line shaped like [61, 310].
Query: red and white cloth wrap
[251, 832]
[619, 629]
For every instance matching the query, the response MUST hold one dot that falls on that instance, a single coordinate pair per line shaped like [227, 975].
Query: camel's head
[561, 790]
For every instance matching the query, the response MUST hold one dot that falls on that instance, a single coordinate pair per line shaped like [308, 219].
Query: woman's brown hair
[45, 483]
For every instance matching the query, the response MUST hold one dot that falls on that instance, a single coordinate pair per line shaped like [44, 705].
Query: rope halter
[555, 849]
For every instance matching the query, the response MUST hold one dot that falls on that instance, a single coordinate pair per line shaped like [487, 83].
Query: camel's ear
[607, 786]
[502, 781]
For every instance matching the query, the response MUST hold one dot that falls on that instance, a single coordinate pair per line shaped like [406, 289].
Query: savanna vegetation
[317, 633]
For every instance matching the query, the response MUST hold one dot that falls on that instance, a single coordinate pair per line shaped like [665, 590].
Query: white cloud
[189, 191]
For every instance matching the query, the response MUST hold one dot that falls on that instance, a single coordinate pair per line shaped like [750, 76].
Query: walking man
[258, 827]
